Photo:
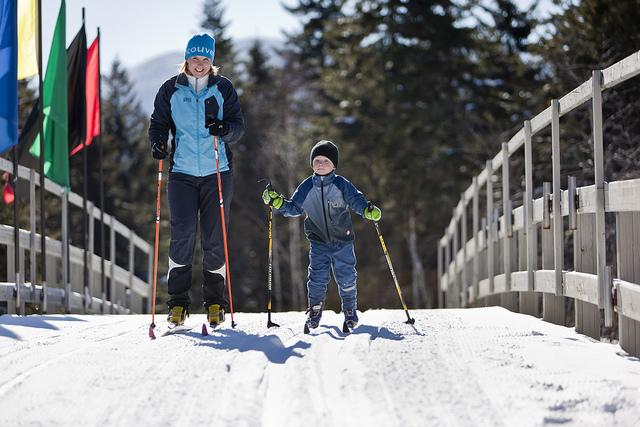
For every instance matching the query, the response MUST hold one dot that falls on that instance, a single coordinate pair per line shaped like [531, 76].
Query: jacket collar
[182, 80]
[324, 179]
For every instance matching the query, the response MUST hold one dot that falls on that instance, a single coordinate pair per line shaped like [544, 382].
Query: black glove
[159, 150]
[218, 127]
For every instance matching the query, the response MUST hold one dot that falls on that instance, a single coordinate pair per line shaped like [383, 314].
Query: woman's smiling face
[199, 66]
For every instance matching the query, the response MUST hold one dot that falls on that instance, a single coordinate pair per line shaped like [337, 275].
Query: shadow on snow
[42, 322]
[271, 345]
[374, 333]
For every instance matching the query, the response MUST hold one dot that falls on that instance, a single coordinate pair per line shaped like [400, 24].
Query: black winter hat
[324, 148]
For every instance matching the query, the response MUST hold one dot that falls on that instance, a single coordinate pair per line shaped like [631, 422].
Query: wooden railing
[64, 289]
[504, 262]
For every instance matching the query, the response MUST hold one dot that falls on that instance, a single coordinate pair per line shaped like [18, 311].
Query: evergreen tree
[396, 77]
[215, 24]
[592, 35]
[248, 232]
[130, 172]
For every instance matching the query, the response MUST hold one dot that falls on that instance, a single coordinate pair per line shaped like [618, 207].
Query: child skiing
[326, 198]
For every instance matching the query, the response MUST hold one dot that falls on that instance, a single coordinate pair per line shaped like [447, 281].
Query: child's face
[322, 165]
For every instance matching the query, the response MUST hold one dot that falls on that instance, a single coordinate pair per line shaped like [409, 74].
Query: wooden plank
[558, 225]
[499, 283]
[553, 307]
[628, 250]
[484, 287]
[635, 248]
[623, 196]
[519, 281]
[545, 281]
[629, 299]
[509, 300]
[490, 235]
[637, 351]
[532, 250]
[629, 339]
[623, 70]
[582, 284]
[530, 303]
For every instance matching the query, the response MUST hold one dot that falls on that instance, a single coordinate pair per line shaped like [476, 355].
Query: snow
[474, 367]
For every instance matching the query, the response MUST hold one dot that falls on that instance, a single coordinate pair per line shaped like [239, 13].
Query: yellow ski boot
[216, 315]
[176, 316]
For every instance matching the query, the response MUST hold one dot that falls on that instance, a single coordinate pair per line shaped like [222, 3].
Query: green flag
[56, 134]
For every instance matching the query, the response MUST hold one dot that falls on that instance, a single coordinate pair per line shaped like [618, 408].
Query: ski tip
[152, 335]
[270, 324]
[204, 330]
[345, 328]
[306, 329]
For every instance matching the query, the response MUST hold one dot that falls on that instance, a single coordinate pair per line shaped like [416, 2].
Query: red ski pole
[155, 254]
[224, 228]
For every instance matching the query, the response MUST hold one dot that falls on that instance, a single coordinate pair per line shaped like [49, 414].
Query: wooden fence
[65, 289]
[516, 259]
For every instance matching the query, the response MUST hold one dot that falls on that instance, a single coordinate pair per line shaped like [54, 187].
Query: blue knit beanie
[201, 45]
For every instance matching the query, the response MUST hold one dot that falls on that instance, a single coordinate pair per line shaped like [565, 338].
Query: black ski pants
[192, 198]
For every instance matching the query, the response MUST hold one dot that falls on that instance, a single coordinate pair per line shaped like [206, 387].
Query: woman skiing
[196, 106]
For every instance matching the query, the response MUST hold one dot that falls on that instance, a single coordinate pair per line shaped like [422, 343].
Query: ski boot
[176, 316]
[350, 320]
[216, 315]
[313, 320]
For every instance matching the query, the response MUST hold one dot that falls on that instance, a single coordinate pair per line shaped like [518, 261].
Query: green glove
[372, 213]
[272, 198]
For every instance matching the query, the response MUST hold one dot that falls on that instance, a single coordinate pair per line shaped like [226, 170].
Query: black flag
[76, 93]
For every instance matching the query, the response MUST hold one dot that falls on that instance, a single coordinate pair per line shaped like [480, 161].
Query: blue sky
[136, 30]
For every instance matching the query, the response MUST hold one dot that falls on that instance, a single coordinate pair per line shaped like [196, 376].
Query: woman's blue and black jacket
[179, 110]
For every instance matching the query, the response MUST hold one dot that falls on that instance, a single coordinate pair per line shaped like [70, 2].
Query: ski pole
[224, 229]
[410, 320]
[155, 254]
[269, 322]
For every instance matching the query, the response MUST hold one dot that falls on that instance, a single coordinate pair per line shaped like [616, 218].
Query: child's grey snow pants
[339, 258]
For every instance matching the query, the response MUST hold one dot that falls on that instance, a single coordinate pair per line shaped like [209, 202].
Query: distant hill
[148, 76]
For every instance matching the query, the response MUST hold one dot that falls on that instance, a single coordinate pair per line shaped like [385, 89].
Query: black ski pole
[269, 322]
[410, 320]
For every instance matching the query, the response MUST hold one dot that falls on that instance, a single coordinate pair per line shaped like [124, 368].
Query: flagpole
[102, 244]
[85, 217]
[16, 231]
[43, 241]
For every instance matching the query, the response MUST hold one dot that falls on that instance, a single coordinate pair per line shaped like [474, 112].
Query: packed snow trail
[471, 367]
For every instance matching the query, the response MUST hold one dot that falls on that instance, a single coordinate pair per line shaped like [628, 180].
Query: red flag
[8, 195]
[92, 94]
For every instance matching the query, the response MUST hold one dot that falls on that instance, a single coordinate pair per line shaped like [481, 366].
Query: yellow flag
[27, 37]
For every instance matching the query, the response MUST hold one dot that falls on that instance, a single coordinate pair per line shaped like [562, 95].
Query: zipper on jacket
[198, 132]
[324, 211]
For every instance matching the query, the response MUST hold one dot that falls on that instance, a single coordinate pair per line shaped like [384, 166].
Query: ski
[347, 328]
[173, 329]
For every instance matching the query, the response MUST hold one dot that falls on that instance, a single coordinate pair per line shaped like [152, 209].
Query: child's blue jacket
[326, 201]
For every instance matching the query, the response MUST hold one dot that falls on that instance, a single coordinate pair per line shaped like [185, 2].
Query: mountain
[148, 76]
